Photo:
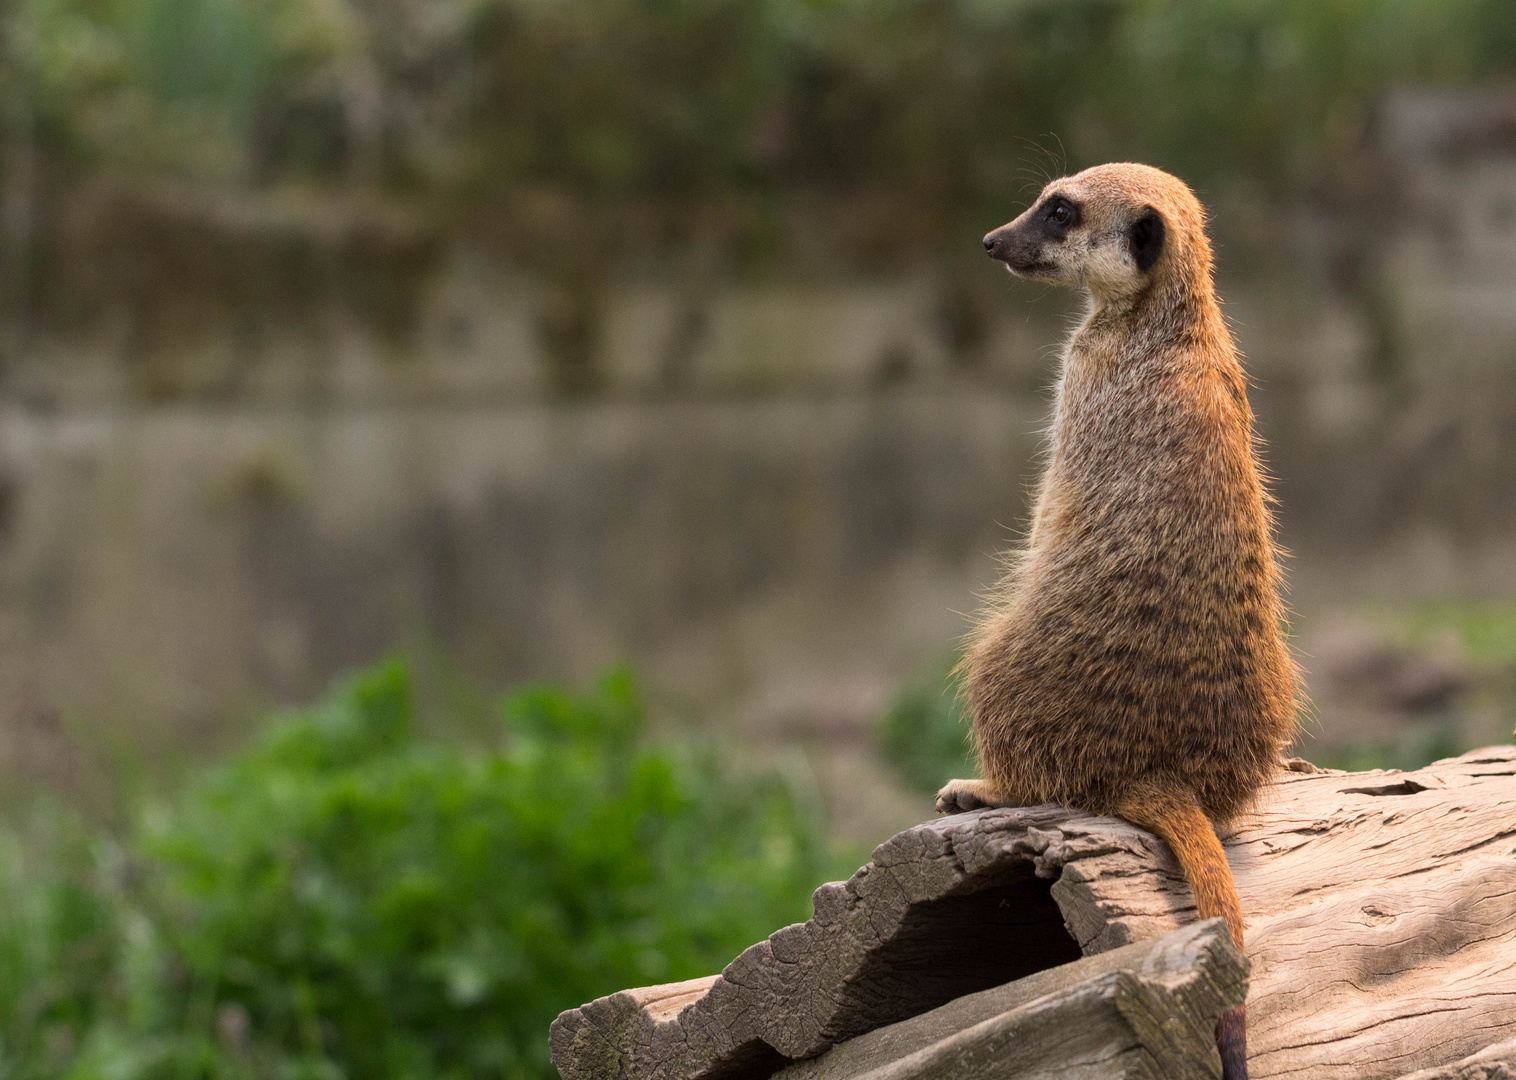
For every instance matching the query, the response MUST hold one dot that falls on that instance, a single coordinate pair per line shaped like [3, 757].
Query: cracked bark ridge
[1381, 912]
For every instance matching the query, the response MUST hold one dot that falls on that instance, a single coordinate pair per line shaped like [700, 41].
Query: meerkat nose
[989, 243]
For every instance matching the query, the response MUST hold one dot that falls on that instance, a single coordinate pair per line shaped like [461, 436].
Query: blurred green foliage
[925, 733]
[347, 900]
[1478, 638]
[1417, 746]
[726, 110]
[1483, 630]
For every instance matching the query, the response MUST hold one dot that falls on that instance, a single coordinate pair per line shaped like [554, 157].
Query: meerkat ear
[1146, 239]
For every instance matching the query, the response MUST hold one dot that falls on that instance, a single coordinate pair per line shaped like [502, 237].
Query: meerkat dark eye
[1061, 214]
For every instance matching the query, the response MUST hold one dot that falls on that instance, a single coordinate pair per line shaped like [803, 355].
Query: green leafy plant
[62, 934]
[347, 900]
[925, 734]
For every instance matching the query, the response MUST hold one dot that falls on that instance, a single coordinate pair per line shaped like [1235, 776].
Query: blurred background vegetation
[523, 339]
[669, 117]
[345, 899]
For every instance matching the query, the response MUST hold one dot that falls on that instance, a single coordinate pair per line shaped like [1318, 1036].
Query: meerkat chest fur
[1150, 450]
[1138, 633]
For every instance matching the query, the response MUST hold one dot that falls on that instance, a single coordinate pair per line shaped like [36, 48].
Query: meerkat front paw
[960, 796]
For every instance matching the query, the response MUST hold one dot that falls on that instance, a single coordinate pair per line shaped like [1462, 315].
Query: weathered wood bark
[1497, 1062]
[1144, 1010]
[1381, 911]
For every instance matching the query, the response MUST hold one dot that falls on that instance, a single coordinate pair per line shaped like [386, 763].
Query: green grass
[1482, 633]
[1419, 745]
[1484, 630]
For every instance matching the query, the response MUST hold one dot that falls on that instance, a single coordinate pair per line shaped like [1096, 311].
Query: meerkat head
[1114, 229]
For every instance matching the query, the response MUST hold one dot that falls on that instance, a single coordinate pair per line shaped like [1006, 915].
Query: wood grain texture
[1380, 909]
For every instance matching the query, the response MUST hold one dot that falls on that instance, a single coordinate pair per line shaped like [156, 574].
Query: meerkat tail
[1232, 1043]
[1179, 821]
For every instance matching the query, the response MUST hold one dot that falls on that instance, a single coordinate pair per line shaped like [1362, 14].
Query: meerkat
[1133, 660]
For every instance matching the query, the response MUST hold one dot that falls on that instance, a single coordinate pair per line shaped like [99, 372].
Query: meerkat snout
[1033, 245]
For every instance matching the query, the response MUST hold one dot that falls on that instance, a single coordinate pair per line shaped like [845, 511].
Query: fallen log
[1144, 1010]
[1380, 906]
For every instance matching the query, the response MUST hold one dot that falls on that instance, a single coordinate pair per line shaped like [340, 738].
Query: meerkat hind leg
[960, 796]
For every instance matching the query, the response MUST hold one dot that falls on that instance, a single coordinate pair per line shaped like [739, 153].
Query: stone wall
[777, 498]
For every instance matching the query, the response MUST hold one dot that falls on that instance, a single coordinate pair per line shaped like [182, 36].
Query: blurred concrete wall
[777, 498]
[163, 565]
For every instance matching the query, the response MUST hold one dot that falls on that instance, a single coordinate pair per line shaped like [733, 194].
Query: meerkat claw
[961, 796]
